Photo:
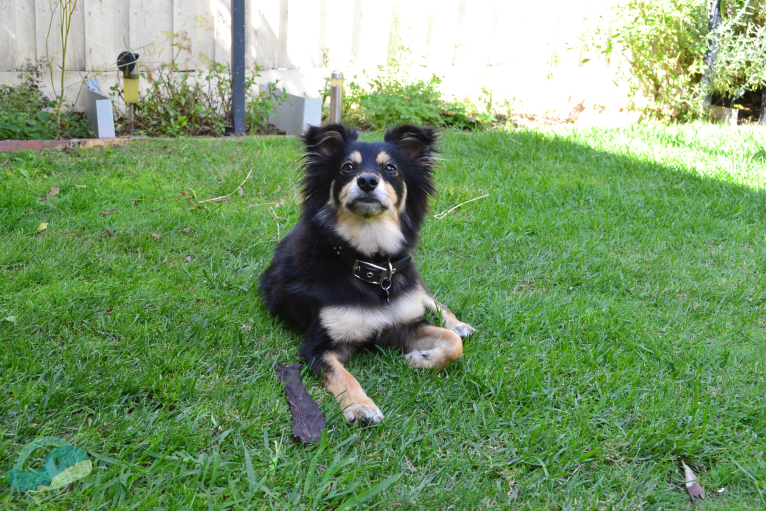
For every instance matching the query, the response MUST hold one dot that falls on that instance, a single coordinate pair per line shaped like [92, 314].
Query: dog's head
[374, 195]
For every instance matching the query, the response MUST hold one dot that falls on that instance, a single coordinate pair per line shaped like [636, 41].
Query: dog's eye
[347, 167]
[391, 167]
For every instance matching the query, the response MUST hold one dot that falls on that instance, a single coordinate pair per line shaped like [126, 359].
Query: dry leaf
[53, 192]
[188, 230]
[155, 236]
[42, 227]
[104, 213]
[80, 186]
[240, 191]
[109, 232]
[692, 485]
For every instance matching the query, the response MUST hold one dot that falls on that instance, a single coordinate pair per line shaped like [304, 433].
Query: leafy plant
[741, 62]
[27, 114]
[178, 104]
[393, 98]
[663, 45]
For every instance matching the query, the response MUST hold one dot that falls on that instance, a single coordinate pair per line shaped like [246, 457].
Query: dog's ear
[327, 141]
[413, 141]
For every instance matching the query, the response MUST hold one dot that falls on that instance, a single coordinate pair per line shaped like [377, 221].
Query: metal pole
[238, 66]
[336, 90]
[711, 55]
[131, 119]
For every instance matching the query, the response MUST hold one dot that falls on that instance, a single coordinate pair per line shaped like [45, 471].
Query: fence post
[238, 66]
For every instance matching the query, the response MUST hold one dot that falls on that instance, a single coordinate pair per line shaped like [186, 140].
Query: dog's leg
[348, 392]
[434, 347]
[448, 319]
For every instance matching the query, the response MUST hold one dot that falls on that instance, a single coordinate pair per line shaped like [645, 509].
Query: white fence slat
[301, 34]
[222, 30]
[472, 45]
[8, 51]
[193, 21]
[336, 32]
[106, 32]
[371, 30]
[150, 25]
[442, 33]
[266, 13]
[26, 41]
[75, 60]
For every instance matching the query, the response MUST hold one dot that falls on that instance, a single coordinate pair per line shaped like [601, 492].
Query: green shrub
[175, 104]
[27, 114]
[392, 98]
[741, 63]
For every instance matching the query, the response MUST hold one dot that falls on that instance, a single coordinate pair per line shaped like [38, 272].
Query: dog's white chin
[366, 210]
[378, 232]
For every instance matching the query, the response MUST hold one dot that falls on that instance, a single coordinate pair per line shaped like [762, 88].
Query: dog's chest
[353, 323]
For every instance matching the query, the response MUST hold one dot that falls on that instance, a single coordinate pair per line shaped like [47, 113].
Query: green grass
[615, 276]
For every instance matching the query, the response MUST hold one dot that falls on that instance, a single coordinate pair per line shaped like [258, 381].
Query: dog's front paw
[366, 411]
[462, 329]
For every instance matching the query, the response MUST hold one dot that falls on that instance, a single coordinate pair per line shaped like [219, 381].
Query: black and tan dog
[343, 275]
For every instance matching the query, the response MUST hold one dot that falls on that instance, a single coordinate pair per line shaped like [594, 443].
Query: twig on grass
[218, 199]
[276, 219]
[445, 213]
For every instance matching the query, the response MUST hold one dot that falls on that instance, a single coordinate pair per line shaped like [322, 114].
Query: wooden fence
[302, 34]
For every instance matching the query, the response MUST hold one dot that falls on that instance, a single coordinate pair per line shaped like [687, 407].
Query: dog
[344, 275]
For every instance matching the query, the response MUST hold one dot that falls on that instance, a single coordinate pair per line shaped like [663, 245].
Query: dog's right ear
[328, 141]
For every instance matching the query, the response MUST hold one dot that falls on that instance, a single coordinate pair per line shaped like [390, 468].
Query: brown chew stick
[308, 419]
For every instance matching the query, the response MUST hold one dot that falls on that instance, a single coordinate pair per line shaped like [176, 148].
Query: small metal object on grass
[308, 419]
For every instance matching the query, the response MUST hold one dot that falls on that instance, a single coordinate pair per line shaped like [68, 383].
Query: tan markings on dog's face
[352, 324]
[355, 157]
[403, 200]
[435, 347]
[382, 158]
[347, 391]
[391, 193]
[331, 199]
[343, 195]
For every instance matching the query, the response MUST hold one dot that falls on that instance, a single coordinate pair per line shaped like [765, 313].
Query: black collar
[373, 273]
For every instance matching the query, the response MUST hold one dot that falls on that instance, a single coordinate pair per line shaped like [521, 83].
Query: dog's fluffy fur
[369, 200]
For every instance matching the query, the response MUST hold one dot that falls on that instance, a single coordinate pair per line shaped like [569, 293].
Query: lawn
[616, 278]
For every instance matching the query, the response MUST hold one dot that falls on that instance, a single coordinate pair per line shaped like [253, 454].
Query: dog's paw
[366, 412]
[420, 359]
[462, 329]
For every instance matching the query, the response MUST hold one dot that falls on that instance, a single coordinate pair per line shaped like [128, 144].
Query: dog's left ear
[328, 140]
[413, 141]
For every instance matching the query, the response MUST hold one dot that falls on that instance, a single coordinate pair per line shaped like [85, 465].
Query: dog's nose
[367, 182]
